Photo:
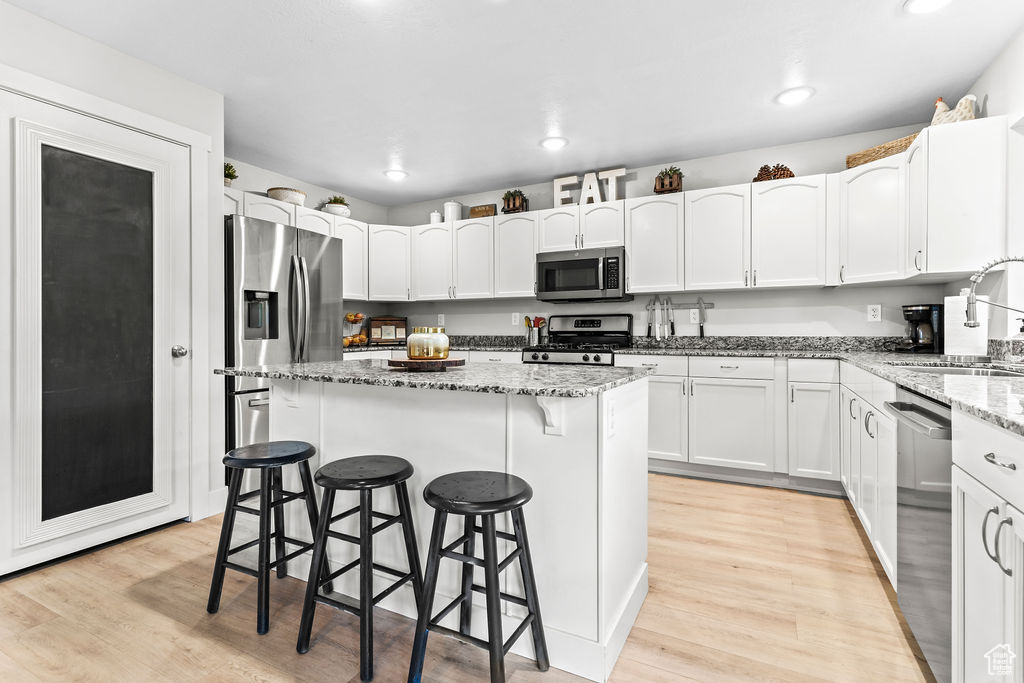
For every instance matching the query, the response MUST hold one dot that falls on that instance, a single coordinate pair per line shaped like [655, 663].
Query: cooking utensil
[671, 317]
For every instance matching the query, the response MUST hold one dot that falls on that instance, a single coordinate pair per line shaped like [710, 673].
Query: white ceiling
[459, 92]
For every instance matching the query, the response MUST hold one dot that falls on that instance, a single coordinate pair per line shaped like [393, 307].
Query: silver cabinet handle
[991, 458]
[853, 416]
[746, 275]
[917, 262]
[1008, 522]
[575, 241]
[178, 351]
[455, 292]
[729, 367]
[867, 423]
[649, 365]
[792, 394]
[842, 271]
[984, 533]
[755, 277]
[692, 383]
[408, 293]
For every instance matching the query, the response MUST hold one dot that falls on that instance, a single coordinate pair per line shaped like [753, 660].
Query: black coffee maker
[924, 329]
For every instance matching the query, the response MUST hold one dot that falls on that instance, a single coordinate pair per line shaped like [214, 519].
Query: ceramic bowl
[287, 194]
[338, 210]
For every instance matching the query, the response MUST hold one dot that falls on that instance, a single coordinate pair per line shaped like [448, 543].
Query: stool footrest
[240, 568]
[523, 625]
[461, 557]
[388, 521]
[292, 555]
[277, 534]
[458, 635]
[342, 515]
[287, 497]
[333, 575]
[339, 604]
[500, 534]
[248, 511]
[514, 599]
[446, 611]
[349, 538]
[402, 580]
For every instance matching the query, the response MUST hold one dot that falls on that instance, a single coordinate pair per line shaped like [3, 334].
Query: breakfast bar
[578, 435]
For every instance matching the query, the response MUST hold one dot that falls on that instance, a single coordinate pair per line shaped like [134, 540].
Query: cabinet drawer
[724, 366]
[856, 380]
[814, 370]
[495, 357]
[665, 366]
[976, 444]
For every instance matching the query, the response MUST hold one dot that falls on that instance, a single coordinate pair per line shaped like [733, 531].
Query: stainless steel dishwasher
[924, 563]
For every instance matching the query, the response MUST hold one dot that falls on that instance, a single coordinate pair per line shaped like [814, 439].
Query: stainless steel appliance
[582, 275]
[924, 561]
[283, 304]
[924, 332]
[582, 339]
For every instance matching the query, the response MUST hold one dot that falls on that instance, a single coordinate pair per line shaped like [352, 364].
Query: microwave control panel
[612, 273]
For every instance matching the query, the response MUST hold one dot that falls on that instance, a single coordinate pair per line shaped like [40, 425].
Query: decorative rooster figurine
[964, 110]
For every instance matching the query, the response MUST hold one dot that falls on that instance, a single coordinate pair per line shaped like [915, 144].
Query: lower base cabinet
[667, 426]
[814, 430]
[732, 422]
[849, 455]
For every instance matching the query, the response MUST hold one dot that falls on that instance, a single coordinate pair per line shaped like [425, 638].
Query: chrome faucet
[972, 297]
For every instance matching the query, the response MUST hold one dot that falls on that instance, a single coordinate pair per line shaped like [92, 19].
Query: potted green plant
[229, 174]
[669, 180]
[337, 205]
[515, 201]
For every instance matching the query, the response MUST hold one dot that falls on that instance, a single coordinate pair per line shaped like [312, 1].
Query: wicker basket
[882, 151]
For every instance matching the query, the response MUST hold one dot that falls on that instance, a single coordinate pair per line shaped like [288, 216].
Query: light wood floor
[746, 584]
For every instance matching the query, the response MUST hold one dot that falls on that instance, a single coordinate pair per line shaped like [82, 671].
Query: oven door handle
[920, 420]
[601, 284]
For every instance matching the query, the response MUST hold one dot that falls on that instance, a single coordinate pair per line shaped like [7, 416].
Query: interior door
[100, 268]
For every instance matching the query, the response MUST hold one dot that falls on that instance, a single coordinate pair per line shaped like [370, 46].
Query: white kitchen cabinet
[355, 240]
[654, 243]
[814, 430]
[602, 224]
[390, 257]
[873, 221]
[515, 255]
[315, 221]
[431, 276]
[717, 228]
[558, 228]
[495, 357]
[850, 452]
[383, 354]
[233, 202]
[788, 232]
[956, 196]
[885, 475]
[473, 258]
[667, 401]
[732, 422]
[867, 508]
[259, 206]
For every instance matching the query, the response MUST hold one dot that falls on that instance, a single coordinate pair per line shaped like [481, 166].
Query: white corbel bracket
[553, 408]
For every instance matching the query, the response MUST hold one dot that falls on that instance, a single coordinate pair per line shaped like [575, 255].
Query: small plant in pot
[229, 174]
[515, 201]
[337, 205]
[669, 180]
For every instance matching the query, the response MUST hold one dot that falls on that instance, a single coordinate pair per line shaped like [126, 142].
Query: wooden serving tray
[426, 365]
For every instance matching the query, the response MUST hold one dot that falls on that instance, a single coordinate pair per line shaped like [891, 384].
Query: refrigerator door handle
[306, 317]
[297, 313]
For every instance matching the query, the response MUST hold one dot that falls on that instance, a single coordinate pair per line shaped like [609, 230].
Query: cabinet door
[432, 262]
[495, 357]
[732, 423]
[515, 255]
[788, 232]
[314, 221]
[355, 237]
[666, 428]
[872, 221]
[473, 254]
[814, 432]
[851, 445]
[868, 489]
[654, 244]
[717, 226]
[389, 262]
[885, 522]
[917, 205]
[233, 202]
[1011, 556]
[258, 206]
[602, 225]
[981, 590]
[559, 228]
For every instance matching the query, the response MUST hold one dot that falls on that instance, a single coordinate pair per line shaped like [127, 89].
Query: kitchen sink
[978, 372]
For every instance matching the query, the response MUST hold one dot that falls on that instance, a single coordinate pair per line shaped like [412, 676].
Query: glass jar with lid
[427, 343]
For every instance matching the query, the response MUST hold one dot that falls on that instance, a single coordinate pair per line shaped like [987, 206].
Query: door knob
[179, 351]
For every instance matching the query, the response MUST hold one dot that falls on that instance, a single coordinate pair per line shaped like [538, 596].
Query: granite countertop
[567, 381]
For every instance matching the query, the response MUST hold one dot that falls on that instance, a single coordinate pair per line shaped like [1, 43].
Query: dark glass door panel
[97, 332]
[571, 276]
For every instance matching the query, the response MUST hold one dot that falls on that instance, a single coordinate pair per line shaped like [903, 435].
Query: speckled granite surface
[568, 381]
[753, 343]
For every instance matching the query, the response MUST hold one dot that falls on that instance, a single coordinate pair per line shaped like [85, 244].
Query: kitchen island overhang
[578, 435]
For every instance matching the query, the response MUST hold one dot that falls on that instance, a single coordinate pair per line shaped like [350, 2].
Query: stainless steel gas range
[582, 340]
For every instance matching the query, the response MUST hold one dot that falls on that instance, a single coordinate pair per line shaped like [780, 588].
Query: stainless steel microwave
[582, 275]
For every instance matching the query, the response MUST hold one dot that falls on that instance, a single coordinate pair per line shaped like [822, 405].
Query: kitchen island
[577, 434]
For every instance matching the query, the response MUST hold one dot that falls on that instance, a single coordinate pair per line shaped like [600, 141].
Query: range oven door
[582, 275]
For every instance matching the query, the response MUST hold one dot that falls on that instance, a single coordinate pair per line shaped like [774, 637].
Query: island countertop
[567, 381]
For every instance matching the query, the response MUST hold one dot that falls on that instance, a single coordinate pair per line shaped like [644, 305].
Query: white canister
[453, 211]
[435, 216]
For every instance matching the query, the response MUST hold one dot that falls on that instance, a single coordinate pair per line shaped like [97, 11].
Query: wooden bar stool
[361, 473]
[483, 494]
[268, 458]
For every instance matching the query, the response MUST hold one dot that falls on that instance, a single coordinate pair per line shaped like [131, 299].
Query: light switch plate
[440, 319]
[517, 318]
[694, 316]
[874, 313]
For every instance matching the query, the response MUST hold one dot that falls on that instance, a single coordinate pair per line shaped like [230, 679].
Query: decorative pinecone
[763, 173]
[780, 171]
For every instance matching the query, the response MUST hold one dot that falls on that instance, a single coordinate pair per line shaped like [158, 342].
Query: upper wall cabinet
[601, 225]
[873, 221]
[788, 232]
[654, 243]
[515, 255]
[233, 202]
[355, 240]
[717, 223]
[258, 206]
[473, 260]
[956, 196]
[432, 262]
[314, 221]
[390, 249]
[559, 228]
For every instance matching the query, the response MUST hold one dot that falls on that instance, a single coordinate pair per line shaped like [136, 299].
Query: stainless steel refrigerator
[284, 305]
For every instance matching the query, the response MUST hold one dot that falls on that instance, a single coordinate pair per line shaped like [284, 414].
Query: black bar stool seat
[484, 495]
[362, 473]
[268, 458]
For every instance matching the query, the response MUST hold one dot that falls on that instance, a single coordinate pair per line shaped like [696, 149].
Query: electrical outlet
[517, 319]
[440, 319]
[874, 313]
[694, 316]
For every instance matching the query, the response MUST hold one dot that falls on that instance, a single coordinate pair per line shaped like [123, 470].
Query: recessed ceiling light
[924, 6]
[395, 174]
[553, 144]
[794, 96]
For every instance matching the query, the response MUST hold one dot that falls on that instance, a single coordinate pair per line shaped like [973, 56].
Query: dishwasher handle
[922, 421]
